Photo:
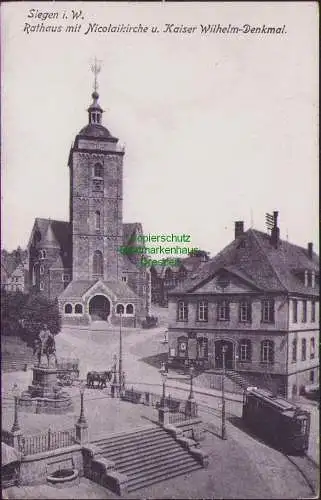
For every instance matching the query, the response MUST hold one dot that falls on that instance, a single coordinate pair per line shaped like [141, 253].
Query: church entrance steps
[146, 456]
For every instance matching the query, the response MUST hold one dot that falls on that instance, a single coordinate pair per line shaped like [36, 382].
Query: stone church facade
[79, 261]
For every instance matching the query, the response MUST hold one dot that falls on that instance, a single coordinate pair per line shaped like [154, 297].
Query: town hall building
[255, 304]
[79, 261]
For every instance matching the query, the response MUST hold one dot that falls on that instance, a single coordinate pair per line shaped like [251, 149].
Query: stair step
[162, 463]
[138, 431]
[158, 453]
[130, 442]
[126, 438]
[161, 476]
[122, 458]
[136, 450]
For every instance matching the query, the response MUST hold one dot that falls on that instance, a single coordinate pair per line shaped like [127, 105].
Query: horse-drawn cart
[68, 371]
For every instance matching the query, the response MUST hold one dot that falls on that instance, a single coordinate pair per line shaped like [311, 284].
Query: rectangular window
[42, 287]
[182, 311]
[313, 311]
[245, 350]
[65, 278]
[295, 310]
[223, 310]
[267, 351]
[268, 311]
[124, 278]
[304, 311]
[312, 348]
[245, 311]
[202, 310]
[312, 376]
[304, 350]
[294, 351]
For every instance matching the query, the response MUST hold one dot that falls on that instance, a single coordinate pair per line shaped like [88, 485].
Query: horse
[101, 377]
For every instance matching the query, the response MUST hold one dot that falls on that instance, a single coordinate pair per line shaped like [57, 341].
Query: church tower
[96, 198]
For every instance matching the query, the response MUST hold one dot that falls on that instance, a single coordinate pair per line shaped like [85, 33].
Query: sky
[217, 127]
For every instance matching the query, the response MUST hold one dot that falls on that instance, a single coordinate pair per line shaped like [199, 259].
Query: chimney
[310, 250]
[239, 228]
[275, 233]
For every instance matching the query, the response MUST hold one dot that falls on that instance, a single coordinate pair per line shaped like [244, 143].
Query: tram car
[279, 422]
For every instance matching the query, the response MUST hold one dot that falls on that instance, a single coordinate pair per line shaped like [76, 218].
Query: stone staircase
[147, 456]
[17, 364]
[238, 379]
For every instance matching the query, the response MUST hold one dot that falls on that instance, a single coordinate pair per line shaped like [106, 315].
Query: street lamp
[224, 349]
[191, 394]
[16, 394]
[82, 419]
[120, 365]
[114, 382]
[163, 373]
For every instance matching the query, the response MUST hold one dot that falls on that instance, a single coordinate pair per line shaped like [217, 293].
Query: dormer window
[313, 279]
[306, 278]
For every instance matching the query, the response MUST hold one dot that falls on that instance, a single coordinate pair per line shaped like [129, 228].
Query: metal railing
[177, 417]
[50, 440]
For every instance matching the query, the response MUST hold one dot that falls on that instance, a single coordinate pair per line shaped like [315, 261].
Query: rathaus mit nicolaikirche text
[79, 261]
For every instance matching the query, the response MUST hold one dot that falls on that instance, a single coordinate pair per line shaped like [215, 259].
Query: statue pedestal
[45, 395]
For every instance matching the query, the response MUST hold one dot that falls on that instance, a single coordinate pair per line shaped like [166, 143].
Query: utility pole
[224, 349]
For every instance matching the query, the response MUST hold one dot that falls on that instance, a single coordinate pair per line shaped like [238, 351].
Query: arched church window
[98, 263]
[97, 219]
[98, 170]
[68, 309]
[120, 309]
[129, 309]
[34, 274]
[78, 309]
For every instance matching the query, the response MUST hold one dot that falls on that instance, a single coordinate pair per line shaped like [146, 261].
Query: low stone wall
[35, 468]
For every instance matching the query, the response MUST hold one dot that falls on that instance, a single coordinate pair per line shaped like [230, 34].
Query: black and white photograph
[160, 250]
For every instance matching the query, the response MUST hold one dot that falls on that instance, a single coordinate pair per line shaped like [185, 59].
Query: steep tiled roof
[269, 268]
[56, 232]
[77, 289]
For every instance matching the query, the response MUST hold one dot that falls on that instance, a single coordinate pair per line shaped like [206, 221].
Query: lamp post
[191, 405]
[163, 373]
[82, 418]
[191, 394]
[120, 363]
[224, 349]
[16, 393]
[81, 425]
[114, 382]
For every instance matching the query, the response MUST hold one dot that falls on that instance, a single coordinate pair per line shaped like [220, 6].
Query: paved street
[247, 467]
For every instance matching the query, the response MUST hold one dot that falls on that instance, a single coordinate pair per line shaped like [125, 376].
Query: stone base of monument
[45, 395]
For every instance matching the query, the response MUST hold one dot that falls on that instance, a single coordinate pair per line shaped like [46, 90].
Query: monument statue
[45, 346]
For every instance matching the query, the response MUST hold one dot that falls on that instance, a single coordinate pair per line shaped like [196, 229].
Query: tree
[12, 303]
[25, 315]
[37, 312]
[200, 253]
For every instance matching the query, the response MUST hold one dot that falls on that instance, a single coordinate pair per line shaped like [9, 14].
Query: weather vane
[95, 68]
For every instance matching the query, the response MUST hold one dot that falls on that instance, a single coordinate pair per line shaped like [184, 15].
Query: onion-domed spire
[95, 111]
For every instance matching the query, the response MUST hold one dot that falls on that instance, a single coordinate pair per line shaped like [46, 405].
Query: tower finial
[95, 68]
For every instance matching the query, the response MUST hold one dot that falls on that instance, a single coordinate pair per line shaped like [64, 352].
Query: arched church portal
[99, 308]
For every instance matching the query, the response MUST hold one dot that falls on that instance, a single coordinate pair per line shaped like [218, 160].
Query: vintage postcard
[159, 250]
